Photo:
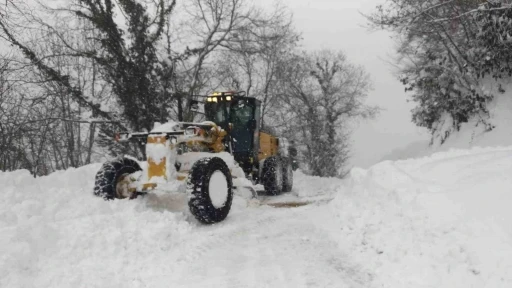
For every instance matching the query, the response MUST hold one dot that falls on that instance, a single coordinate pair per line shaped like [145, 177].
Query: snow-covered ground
[438, 221]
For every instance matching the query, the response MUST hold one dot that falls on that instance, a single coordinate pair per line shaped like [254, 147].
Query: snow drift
[55, 233]
[437, 221]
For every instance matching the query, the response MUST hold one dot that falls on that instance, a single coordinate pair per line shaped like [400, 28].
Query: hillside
[471, 134]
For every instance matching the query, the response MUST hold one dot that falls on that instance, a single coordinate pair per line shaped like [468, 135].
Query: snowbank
[439, 221]
[55, 233]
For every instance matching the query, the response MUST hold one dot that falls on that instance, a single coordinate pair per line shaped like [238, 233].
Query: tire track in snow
[268, 248]
[202, 243]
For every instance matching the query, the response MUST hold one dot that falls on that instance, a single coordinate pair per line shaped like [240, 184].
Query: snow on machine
[206, 160]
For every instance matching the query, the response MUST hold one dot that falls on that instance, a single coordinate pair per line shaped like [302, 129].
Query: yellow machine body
[269, 146]
[203, 140]
[157, 169]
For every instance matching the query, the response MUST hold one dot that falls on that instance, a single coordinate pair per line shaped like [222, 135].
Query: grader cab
[206, 160]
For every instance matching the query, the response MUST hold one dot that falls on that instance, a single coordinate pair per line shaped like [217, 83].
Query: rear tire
[210, 189]
[272, 176]
[287, 176]
[110, 173]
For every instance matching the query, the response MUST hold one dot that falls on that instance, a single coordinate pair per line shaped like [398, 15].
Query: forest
[75, 72]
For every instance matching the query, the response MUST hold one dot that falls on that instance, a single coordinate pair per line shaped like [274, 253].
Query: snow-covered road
[267, 247]
[439, 221]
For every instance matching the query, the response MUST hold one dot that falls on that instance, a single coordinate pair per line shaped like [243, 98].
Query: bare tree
[320, 92]
[127, 58]
[8, 151]
[22, 140]
[252, 60]
[214, 25]
[43, 122]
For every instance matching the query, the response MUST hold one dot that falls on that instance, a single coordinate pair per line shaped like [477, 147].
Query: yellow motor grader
[206, 160]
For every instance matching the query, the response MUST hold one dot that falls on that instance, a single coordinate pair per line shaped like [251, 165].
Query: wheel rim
[122, 184]
[218, 189]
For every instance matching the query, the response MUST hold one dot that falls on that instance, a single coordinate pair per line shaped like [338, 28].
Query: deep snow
[437, 221]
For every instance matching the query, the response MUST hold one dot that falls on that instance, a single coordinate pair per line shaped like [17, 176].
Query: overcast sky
[336, 24]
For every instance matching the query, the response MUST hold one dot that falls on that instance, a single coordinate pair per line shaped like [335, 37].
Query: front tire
[110, 174]
[210, 189]
[272, 176]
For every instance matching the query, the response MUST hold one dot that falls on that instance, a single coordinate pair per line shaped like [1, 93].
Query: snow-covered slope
[438, 221]
[471, 134]
[413, 150]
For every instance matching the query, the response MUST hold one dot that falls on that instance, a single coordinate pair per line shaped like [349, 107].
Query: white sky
[337, 24]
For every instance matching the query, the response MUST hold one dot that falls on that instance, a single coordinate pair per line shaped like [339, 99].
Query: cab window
[241, 115]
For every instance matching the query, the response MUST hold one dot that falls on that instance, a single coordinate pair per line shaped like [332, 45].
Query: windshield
[241, 115]
[215, 112]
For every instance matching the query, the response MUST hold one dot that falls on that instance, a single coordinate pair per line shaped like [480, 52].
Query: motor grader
[205, 160]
